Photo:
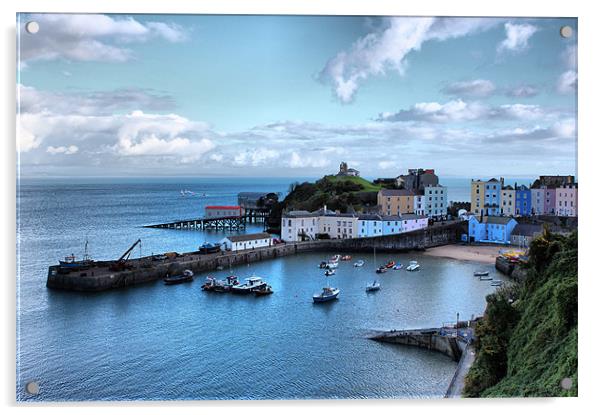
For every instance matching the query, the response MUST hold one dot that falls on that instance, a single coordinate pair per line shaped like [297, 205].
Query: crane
[120, 264]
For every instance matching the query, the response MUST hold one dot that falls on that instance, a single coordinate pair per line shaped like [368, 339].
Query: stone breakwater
[101, 278]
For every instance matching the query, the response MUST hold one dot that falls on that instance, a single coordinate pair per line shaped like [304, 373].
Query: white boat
[327, 294]
[496, 283]
[398, 266]
[375, 286]
[485, 278]
[332, 265]
[335, 258]
[414, 266]
[359, 263]
[251, 284]
[330, 272]
[481, 273]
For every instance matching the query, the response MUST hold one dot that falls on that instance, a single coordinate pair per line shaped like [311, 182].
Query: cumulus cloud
[522, 91]
[478, 88]
[387, 48]
[297, 161]
[62, 150]
[256, 157]
[90, 37]
[517, 37]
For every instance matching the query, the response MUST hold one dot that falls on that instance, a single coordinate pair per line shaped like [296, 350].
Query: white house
[412, 222]
[248, 241]
[299, 225]
[435, 201]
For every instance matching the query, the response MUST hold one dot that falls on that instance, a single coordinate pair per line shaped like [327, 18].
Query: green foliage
[527, 349]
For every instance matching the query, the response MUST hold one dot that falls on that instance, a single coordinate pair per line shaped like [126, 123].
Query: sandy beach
[484, 254]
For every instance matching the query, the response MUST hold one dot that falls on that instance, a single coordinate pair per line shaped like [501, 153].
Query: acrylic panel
[224, 207]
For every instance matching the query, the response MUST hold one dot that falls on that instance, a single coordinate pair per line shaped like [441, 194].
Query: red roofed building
[223, 211]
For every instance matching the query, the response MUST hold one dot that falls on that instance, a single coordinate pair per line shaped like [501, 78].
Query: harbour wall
[101, 278]
[513, 270]
[430, 339]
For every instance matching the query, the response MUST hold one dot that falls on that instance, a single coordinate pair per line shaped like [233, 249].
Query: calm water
[176, 342]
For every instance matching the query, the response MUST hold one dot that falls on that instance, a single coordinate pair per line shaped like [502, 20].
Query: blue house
[369, 225]
[497, 229]
[492, 196]
[523, 200]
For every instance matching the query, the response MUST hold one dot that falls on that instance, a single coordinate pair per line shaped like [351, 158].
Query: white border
[590, 70]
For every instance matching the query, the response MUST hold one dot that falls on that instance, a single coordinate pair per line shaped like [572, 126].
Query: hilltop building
[344, 170]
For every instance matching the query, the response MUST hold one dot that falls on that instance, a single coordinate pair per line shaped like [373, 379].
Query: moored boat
[381, 270]
[390, 264]
[220, 286]
[323, 264]
[413, 266]
[359, 263]
[375, 286]
[330, 272]
[327, 294]
[335, 258]
[481, 273]
[346, 258]
[186, 276]
[332, 265]
[398, 266]
[208, 248]
[265, 290]
[251, 284]
[485, 278]
[496, 283]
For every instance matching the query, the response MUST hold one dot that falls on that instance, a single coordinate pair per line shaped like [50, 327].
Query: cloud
[387, 164]
[386, 49]
[62, 150]
[256, 157]
[567, 81]
[478, 88]
[517, 37]
[461, 111]
[216, 157]
[297, 161]
[522, 91]
[90, 37]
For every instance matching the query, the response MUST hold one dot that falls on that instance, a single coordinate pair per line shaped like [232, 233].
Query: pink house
[549, 204]
[566, 200]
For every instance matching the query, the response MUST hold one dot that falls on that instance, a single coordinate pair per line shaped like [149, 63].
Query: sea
[157, 342]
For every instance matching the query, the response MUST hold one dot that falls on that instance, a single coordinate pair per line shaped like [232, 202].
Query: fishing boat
[381, 270]
[485, 278]
[220, 286]
[71, 264]
[330, 272]
[346, 258]
[322, 264]
[496, 283]
[335, 258]
[375, 286]
[186, 276]
[390, 264]
[327, 294]
[414, 266]
[398, 266]
[359, 263]
[265, 290]
[481, 273]
[208, 248]
[251, 284]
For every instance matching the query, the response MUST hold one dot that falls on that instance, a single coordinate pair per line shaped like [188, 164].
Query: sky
[293, 96]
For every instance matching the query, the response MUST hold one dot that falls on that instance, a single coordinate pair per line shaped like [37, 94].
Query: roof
[298, 214]
[527, 229]
[249, 237]
[396, 192]
[406, 216]
[369, 216]
[222, 207]
[497, 220]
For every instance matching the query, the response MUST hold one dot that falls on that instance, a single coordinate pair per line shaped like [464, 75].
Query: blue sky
[294, 95]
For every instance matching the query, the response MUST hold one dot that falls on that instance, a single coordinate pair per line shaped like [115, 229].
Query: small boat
[71, 264]
[332, 265]
[220, 286]
[481, 273]
[208, 248]
[485, 278]
[398, 266]
[359, 263]
[335, 258]
[327, 294]
[323, 264]
[265, 290]
[185, 276]
[251, 284]
[346, 258]
[414, 266]
[496, 283]
[372, 287]
[330, 272]
[390, 264]
[381, 270]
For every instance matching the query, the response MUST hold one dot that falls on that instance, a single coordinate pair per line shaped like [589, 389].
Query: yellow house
[396, 201]
[477, 196]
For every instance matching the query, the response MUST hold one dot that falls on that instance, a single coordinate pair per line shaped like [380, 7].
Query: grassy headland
[527, 339]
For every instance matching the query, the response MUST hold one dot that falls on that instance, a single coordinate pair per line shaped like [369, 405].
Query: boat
[496, 283]
[323, 264]
[251, 284]
[220, 286]
[485, 278]
[332, 265]
[186, 276]
[346, 258]
[372, 287]
[398, 266]
[359, 263]
[481, 273]
[327, 294]
[330, 272]
[71, 264]
[381, 270]
[265, 290]
[390, 264]
[414, 266]
[335, 258]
